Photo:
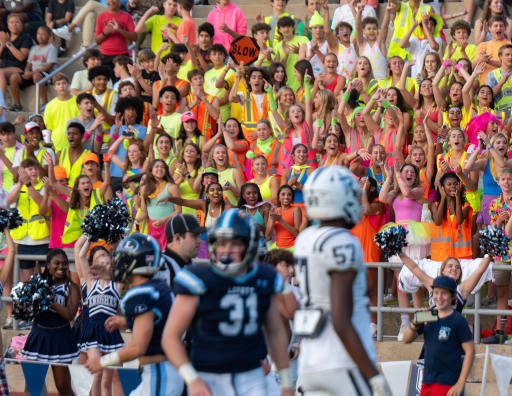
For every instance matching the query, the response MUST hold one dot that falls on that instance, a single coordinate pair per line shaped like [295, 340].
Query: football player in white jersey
[337, 354]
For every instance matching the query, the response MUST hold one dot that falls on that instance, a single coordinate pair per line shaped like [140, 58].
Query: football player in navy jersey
[228, 306]
[145, 307]
[337, 355]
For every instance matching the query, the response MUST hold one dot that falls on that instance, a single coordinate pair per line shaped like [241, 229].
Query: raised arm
[467, 89]
[386, 195]
[417, 271]
[408, 98]
[467, 286]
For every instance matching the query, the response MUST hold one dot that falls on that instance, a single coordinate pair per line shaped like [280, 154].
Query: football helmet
[136, 254]
[233, 224]
[332, 193]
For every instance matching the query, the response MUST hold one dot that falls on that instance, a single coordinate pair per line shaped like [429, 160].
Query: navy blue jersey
[50, 318]
[226, 332]
[152, 296]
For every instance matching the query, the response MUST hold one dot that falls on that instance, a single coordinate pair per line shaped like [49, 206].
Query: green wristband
[307, 89]
[272, 104]
[386, 104]
[346, 97]
[333, 121]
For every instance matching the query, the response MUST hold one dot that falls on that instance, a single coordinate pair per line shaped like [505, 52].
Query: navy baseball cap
[445, 282]
[182, 223]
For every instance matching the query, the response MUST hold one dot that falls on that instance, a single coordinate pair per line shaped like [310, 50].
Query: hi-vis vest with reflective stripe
[251, 114]
[73, 171]
[272, 157]
[73, 227]
[403, 22]
[39, 156]
[505, 102]
[36, 226]
[106, 102]
[451, 240]
[205, 122]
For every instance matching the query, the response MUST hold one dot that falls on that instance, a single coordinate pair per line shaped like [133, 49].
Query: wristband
[333, 121]
[285, 378]
[346, 97]
[99, 138]
[272, 104]
[446, 63]
[457, 66]
[115, 137]
[386, 104]
[87, 135]
[112, 359]
[187, 372]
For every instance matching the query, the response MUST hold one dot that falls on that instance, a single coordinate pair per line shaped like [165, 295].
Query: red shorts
[434, 390]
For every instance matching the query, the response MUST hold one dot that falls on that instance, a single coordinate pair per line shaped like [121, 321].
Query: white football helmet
[331, 193]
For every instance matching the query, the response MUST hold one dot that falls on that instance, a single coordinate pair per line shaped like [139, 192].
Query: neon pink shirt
[233, 17]
[57, 223]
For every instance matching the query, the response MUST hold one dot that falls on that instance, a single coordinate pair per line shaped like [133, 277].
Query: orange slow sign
[244, 49]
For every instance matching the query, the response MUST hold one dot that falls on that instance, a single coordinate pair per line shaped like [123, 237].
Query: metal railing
[65, 65]
[477, 311]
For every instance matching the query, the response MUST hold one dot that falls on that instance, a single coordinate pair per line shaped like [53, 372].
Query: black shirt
[59, 10]
[8, 59]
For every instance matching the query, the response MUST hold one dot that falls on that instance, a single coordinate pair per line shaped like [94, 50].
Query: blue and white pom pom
[10, 218]
[31, 298]
[391, 240]
[108, 222]
[494, 242]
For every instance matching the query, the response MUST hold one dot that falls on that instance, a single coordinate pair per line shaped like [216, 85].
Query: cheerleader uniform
[51, 339]
[81, 321]
[102, 303]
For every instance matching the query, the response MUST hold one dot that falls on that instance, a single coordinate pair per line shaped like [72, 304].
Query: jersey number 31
[238, 306]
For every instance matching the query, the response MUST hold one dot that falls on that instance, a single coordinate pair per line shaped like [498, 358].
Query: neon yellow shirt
[56, 115]
[210, 79]
[155, 24]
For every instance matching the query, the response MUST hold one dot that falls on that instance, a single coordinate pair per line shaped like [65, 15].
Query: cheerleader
[102, 301]
[406, 198]
[51, 339]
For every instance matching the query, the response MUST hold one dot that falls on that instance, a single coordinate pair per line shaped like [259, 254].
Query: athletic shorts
[435, 390]
[159, 379]
[501, 278]
[34, 250]
[247, 383]
[340, 382]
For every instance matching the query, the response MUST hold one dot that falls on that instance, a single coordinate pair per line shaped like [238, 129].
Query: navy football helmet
[136, 254]
[233, 224]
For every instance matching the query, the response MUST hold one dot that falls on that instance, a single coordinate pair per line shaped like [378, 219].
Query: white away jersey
[318, 251]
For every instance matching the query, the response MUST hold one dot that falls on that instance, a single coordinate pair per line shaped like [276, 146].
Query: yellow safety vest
[73, 226]
[39, 155]
[72, 170]
[36, 226]
[106, 102]
[403, 22]
[505, 102]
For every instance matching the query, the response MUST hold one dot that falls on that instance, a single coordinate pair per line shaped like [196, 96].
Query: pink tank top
[57, 223]
[407, 209]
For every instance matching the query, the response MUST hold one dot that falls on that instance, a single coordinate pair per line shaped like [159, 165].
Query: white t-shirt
[418, 49]
[319, 251]
[16, 161]
[344, 14]
[258, 97]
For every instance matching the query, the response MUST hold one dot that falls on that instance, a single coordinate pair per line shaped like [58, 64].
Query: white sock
[405, 319]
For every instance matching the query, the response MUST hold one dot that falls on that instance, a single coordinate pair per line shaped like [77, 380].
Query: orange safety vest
[451, 240]
[251, 115]
[105, 103]
[205, 122]
[178, 84]
[424, 184]
[272, 157]
[237, 159]
[145, 116]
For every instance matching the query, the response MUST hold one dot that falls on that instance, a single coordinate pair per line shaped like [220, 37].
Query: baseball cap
[180, 224]
[60, 172]
[445, 282]
[31, 125]
[210, 170]
[187, 116]
[90, 157]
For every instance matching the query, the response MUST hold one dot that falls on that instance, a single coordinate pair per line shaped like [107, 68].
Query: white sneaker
[62, 32]
[389, 298]
[373, 328]
[403, 327]
[76, 29]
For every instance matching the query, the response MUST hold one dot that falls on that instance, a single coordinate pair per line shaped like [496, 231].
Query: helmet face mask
[233, 225]
[137, 254]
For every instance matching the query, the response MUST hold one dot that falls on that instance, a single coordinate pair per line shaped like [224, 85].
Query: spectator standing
[187, 26]
[114, 28]
[59, 110]
[499, 80]
[14, 49]
[228, 21]
[10, 146]
[152, 22]
[41, 60]
[80, 82]
[346, 12]
[59, 15]
[488, 51]
[447, 340]
[93, 136]
[278, 11]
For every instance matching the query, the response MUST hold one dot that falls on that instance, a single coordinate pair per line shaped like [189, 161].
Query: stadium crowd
[423, 123]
